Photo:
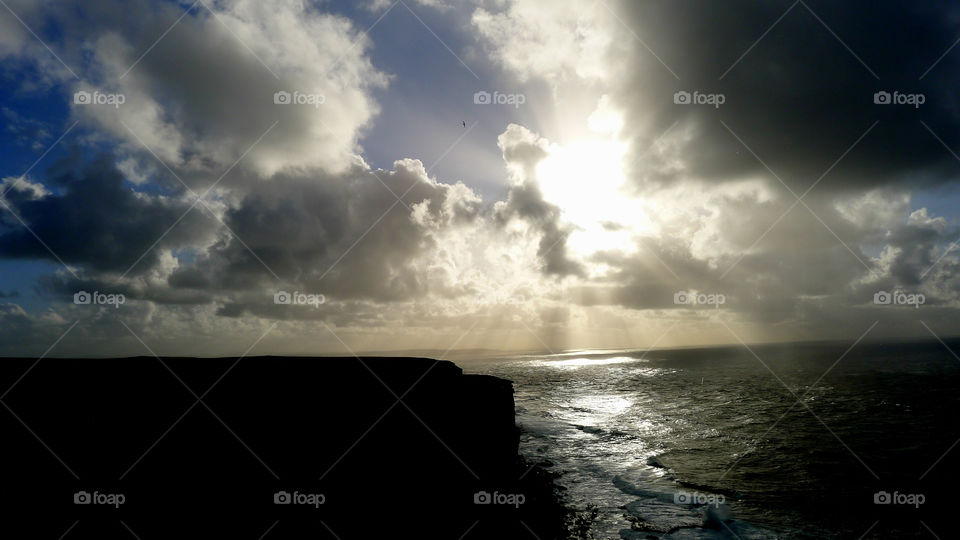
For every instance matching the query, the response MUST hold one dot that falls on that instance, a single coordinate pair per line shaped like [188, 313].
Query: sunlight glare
[585, 180]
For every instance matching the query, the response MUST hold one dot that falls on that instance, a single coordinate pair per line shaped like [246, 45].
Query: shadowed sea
[774, 441]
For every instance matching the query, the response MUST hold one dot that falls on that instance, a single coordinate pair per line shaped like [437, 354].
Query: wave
[678, 515]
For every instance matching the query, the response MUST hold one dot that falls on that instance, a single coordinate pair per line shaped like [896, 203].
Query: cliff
[221, 448]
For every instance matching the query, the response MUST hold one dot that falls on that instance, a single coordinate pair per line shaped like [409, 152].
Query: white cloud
[205, 94]
[552, 40]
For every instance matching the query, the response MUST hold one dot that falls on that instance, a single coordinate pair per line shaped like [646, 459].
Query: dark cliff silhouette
[266, 447]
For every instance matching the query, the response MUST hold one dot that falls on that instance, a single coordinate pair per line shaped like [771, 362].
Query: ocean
[770, 441]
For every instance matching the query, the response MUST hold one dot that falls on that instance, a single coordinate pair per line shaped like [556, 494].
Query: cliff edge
[266, 447]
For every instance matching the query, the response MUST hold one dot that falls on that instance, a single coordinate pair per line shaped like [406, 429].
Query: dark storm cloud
[344, 236]
[526, 202]
[95, 220]
[799, 99]
[63, 286]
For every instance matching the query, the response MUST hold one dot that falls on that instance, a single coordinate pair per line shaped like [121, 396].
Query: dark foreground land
[266, 447]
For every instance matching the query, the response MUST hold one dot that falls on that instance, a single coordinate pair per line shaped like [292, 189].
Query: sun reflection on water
[587, 362]
[601, 407]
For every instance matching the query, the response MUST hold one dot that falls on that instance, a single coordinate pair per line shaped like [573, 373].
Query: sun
[585, 179]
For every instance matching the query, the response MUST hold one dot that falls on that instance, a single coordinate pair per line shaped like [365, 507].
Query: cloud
[27, 132]
[567, 42]
[576, 246]
[797, 97]
[716, 182]
[523, 151]
[381, 5]
[346, 236]
[204, 95]
[95, 221]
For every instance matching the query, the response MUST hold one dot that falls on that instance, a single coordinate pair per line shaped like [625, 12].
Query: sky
[321, 177]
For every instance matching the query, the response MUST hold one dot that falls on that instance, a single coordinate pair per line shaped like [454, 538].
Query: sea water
[775, 441]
